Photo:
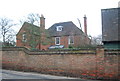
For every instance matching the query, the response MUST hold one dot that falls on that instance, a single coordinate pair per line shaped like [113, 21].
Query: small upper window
[59, 28]
[24, 39]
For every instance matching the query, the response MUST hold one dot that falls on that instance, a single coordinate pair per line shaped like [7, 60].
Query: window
[59, 28]
[71, 40]
[24, 39]
[57, 40]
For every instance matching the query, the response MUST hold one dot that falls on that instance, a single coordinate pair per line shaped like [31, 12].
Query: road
[8, 74]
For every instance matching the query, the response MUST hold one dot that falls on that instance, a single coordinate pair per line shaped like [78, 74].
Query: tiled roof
[69, 28]
[30, 27]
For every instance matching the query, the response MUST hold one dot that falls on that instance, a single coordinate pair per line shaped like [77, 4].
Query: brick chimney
[42, 22]
[43, 39]
[85, 24]
[42, 31]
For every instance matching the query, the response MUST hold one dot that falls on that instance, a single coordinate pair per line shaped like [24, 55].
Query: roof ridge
[30, 24]
[63, 22]
[27, 23]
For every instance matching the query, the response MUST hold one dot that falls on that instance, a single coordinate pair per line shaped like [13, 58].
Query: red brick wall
[74, 64]
[19, 42]
[112, 68]
[63, 41]
[96, 65]
[44, 47]
[78, 41]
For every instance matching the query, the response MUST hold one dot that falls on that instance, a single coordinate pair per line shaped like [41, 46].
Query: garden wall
[84, 63]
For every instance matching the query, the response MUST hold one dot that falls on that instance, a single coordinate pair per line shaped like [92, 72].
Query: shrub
[71, 46]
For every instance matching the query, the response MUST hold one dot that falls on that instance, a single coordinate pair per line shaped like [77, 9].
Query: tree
[6, 30]
[96, 40]
[32, 18]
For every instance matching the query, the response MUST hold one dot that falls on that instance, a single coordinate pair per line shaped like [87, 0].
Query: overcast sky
[59, 11]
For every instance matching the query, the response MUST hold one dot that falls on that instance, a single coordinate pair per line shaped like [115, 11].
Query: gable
[28, 27]
[31, 33]
[68, 28]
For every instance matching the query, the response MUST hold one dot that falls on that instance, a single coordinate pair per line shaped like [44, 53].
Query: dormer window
[59, 28]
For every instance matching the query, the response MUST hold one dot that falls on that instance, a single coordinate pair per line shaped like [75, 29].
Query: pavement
[8, 75]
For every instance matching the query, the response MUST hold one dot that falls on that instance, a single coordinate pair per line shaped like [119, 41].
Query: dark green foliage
[71, 46]
[8, 44]
[33, 36]
[87, 46]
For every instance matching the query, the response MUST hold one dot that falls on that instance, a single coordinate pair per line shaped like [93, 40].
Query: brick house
[68, 34]
[65, 33]
[32, 36]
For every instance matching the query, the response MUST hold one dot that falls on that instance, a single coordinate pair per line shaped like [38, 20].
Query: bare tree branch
[6, 29]
[97, 40]
[32, 18]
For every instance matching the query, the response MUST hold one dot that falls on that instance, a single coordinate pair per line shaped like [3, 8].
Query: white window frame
[24, 39]
[59, 28]
[69, 39]
[56, 40]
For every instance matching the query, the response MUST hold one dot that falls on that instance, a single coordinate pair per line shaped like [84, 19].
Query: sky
[56, 11]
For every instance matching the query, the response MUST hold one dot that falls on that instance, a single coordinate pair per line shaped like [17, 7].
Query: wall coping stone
[51, 52]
